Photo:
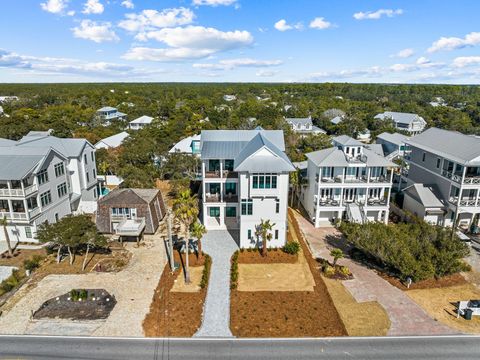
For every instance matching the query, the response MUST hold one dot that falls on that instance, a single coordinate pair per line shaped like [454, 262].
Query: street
[44, 347]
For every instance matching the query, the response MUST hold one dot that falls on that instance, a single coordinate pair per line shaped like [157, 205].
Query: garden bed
[78, 304]
[274, 256]
[173, 313]
[336, 272]
[446, 281]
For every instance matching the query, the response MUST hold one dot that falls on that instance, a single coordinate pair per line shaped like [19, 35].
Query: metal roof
[336, 120]
[336, 158]
[299, 121]
[400, 117]
[346, 140]
[185, 145]
[106, 108]
[114, 140]
[142, 120]
[274, 136]
[68, 147]
[395, 138]
[452, 145]
[427, 195]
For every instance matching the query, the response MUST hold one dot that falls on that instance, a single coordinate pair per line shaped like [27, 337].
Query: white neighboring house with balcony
[411, 123]
[245, 175]
[447, 165]
[44, 178]
[347, 181]
[108, 114]
[304, 126]
[140, 123]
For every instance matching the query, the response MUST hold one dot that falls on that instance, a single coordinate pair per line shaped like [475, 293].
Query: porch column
[25, 206]
[222, 215]
[341, 196]
[221, 168]
[343, 174]
[385, 220]
[203, 181]
[222, 185]
[10, 208]
[368, 174]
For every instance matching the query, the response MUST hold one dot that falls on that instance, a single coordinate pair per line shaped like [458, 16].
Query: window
[276, 234]
[255, 182]
[31, 203]
[56, 217]
[213, 165]
[62, 190]
[264, 181]
[423, 157]
[59, 169]
[230, 188]
[28, 232]
[45, 198]
[85, 158]
[249, 234]
[214, 211]
[94, 174]
[231, 211]
[215, 188]
[92, 156]
[277, 206]
[42, 177]
[229, 165]
[88, 177]
[438, 163]
[247, 206]
[4, 206]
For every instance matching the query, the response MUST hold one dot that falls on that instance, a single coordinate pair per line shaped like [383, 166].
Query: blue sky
[428, 41]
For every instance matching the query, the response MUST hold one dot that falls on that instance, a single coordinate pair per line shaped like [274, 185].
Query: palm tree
[4, 223]
[263, 231]
[294, 180]
[336, 254]
[198, 230]
[185, 208]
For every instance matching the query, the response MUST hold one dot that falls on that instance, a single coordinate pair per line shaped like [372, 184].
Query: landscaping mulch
[97, 305]
[446, 281]
[289, 313]
[175, 314]
[273, 257]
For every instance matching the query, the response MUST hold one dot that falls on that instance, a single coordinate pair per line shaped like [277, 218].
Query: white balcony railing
[34, 212]
[17, 216]
[19, 192]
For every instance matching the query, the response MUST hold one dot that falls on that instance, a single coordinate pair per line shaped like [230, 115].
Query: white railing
[463, 202]
[31, 189]
[14, 216]
[18, 192]
[472, 180]
[34, 212]
[452, 176]
[130, 226]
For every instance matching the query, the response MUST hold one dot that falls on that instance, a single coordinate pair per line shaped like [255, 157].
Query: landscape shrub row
[206, 271]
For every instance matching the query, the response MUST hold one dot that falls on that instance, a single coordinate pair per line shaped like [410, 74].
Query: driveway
[406, 317]
[220, 245]
[133, 288]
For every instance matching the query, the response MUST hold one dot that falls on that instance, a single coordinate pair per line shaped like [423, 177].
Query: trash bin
[468, 314]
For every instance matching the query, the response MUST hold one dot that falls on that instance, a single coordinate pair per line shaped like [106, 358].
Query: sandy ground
[439, 303]
[195, 278]
[132, 287]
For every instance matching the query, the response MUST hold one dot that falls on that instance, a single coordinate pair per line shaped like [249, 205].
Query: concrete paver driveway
[220, 245]
[406, 317]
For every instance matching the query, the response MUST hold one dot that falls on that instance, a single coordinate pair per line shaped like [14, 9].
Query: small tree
[263, 231]
[185, 208]
[198, 230]
[294, 181]
[92, 239]
[337, 254]
[4, 224]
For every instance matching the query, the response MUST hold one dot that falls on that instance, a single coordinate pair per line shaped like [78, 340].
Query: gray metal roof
[400, 117]
[376, 148]
[144, 119]
[274, 136]
[299, 121]
[395, 138]
[301, 165]
[427, 195]
[336, 120]
[17, 162]
[328, 157]
[114, 140]
[275, 161]
[346, 140]
[452, 145]
[106, 108]
[68, 147]
[7, 142]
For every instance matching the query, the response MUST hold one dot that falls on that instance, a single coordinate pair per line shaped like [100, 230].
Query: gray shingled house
[130, 212]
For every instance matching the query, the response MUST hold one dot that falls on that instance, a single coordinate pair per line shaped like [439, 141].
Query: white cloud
[453, 43]
[281, 25]
[422, 60]
[405, 53]
[375, 15]
[71, 13]
[95, 31]
[230, 64]
[54, 6]
[266, 73]
[149, 20]
[93, 7]
[191, 42]
[320, 23]
[464, 61]
[214, 2]
[128, 4]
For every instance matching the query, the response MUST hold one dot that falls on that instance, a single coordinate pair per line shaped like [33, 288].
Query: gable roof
[142, 120]
[68, 147]
[130, 196]
[185, 145]
[7, 142]
[250, 160]
[395, 138]
[107, 108]
[114, 140]
[328, 157]
[400, 117]
[427, 195]
[336, 120]
[299, 121]
[346, 141]
[449, 144]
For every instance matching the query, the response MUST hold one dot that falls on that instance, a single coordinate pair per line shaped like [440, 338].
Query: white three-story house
[245, 176]
[348, 181]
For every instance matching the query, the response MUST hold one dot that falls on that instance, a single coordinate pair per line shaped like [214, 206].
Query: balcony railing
[212, 174]
[454, 177]
[131, 227]
[464, 202]
[230, 198]
[212, 198]
[34, 212]
[19, 192]
[472, 180]
[230, 174]
[17, 216]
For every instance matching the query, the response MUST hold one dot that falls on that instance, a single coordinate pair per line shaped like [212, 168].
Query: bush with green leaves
[11, 282]
[417, 250]
[291, 248]
[32, 263]
[206, 271]
[234, 271]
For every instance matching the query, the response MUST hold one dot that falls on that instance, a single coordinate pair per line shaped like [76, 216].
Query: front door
[349, 195]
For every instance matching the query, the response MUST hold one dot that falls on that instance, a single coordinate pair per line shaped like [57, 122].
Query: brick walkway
[406, 317]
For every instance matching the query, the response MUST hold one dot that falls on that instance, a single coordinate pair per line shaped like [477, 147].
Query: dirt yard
[440, 304]
[273, 257]
[286, 313]
[176, 309]
[446, 281]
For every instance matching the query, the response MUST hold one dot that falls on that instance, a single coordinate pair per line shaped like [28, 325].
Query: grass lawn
[439, 303]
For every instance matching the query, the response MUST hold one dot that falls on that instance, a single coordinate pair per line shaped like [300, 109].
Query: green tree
[294, 181]
[198, 230]
[337, 254]
[4, 224]
[185, 208]
[263, 231]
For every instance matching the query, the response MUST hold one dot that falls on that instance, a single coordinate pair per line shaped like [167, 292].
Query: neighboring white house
[411, 123]
[448, 162]
[348, 180]
[364, 136]
[108, 114]
[425, 202]
[229, 97]
[140, 122]
[394, 145]
[113, 141]
[8, 98]
[43, 178]
[336, 120]
[304, 126]
[245, 176]
[189, 145]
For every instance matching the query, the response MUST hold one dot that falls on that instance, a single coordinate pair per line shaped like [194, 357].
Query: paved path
[220, 245]
[406, 317]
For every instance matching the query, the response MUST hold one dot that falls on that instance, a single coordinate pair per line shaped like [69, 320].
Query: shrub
[242, 249]
[291, 248]
[32, 263]
[328, 270]
[345, 270]
[234, 271]
[206, 271]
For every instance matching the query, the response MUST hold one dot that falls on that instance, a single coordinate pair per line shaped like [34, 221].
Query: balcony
[212, 174]
[34, 212]
[14, 216]
[231, 198]
[130, 227]
[472, 180]
[455, 177]
[19, 192]
[464, 202]
[214, 198]
[230, 174]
